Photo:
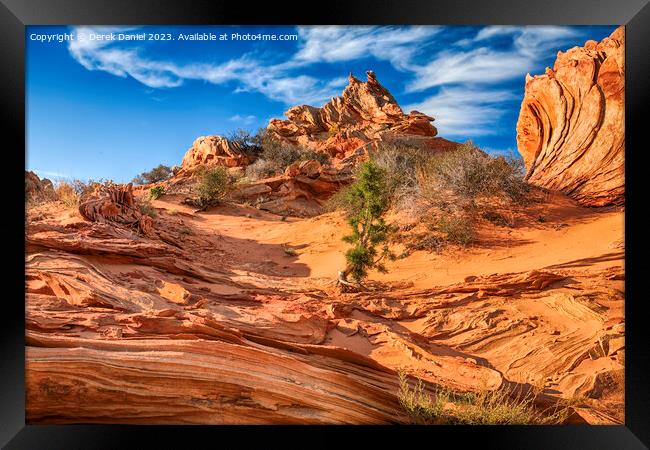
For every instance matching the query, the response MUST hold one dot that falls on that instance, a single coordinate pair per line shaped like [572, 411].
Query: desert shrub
[458, 228]
[275, 157]
[213, 185]
[470, 173]
[68, 195]
[156, 192]
[155, 175]
[400, 162]
[485, 407]
[249, 143]
[368, 203]
[147, 208]
[333, 131]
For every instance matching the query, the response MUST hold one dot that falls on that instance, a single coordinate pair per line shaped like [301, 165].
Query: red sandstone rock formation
[365, 112]
[571, 124]
[116, 204]
[301, 191]
[213, 150]
[37, 189]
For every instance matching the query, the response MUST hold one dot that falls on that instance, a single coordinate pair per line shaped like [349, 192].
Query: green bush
[155, 175]
[156, 192]
[368, 202]
[213, 185]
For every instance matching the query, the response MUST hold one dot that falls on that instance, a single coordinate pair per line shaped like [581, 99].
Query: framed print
[401, 218]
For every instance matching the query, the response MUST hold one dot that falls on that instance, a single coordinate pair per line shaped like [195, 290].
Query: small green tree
[367, 202]
[155, 175]
[213, 186]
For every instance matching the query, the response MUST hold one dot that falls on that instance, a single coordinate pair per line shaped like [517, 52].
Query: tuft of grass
[419, 406]
[156, 192]
[485, 407]
[185, 230]
[147, 209]
[541, 219]
[172, 212]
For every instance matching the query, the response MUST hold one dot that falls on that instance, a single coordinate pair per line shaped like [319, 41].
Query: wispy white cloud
[243, 119]
[397, 45]
[463, 112]
[467, 74]
[245, 72]
[479, 66]
[485, 65]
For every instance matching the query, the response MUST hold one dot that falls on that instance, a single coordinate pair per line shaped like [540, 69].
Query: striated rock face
[213, 150]
[570, 131]
[365, 112]
[301, 191]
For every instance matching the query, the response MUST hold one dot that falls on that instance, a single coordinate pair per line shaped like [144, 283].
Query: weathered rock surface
[365, 112]
[212, 151]
[37, 189]
[571, 125]
[205, 321]
[301, 191]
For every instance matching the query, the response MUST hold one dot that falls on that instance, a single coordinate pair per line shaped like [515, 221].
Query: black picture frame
[16, 14]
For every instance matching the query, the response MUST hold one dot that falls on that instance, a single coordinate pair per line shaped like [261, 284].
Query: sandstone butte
[230, 316]
[346, 128]
[571, 131]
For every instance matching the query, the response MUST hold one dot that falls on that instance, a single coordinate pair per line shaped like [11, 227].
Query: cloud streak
[467, 75]
[462, 112]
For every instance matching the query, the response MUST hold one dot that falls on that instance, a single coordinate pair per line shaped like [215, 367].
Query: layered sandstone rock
[301, 191]
[365, 112]
[571, 124]
[213, 150]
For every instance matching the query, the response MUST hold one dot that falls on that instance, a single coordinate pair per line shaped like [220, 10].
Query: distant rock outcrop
[36, 188]
[365, 112]
[213, 150]
[570, 131]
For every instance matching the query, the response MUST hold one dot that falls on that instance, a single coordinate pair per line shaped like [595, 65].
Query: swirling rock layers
[570, 131]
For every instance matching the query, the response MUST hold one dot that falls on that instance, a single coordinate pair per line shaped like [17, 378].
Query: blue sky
[112, 109]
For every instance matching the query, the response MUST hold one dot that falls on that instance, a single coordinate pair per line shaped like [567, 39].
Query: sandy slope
[539, 304]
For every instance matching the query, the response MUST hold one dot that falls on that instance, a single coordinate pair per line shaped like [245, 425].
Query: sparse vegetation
[249, 143]
[156, 192]
[367, 204]
[185, 230]
[67, 194]
[147, 208]
[155, 175]
[485, 407]
[213, 186]
[275, 157]
[450, 192]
